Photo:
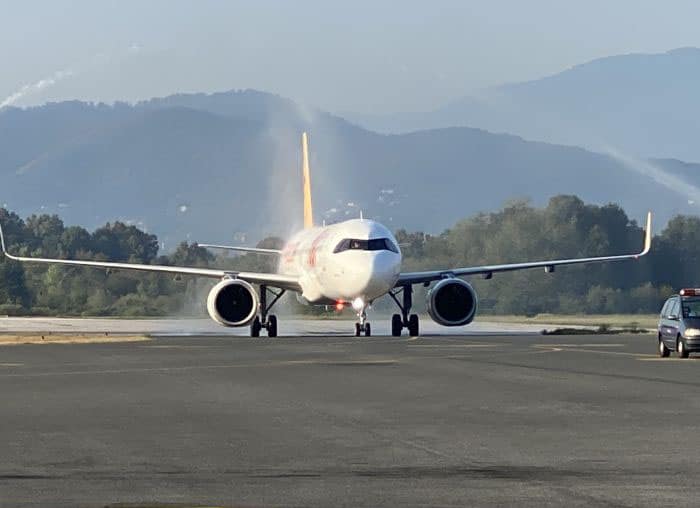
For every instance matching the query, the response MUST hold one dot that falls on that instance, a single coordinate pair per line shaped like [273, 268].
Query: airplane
[353, 262]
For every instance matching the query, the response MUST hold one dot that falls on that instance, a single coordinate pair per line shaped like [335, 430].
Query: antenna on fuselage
[306, 172]
[361, 217]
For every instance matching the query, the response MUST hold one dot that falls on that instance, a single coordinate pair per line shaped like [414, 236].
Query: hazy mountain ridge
[183, 167]
[642, 104]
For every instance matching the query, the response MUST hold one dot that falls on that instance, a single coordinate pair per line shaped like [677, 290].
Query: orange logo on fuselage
[289, 252]
[314, 248]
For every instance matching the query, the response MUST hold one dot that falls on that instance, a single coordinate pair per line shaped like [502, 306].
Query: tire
[396, 325]
[255, 327]
[413, 325]
[357, 329]
[368, 330]
[681, 349]
[272, 326]
[662, 349]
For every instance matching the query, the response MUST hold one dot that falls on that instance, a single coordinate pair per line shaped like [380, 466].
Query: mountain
[214, 167]
[645, 105]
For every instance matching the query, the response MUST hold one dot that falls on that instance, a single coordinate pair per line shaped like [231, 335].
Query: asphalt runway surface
[509, 420]
[288, 326]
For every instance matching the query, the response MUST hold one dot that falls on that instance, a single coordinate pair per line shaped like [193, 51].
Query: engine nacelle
[452, 302]
[232, 302]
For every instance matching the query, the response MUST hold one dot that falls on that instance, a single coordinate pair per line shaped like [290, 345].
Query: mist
[644, 167]
[36, 87]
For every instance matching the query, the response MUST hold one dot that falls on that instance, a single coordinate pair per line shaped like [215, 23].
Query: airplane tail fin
[308, 211]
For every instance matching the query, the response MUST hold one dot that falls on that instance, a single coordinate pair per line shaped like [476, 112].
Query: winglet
[647, 236]
[4, 249]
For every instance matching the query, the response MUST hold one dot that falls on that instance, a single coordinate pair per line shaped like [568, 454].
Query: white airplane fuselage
[343, 262]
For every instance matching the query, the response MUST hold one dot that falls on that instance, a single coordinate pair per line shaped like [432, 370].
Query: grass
[9, 339]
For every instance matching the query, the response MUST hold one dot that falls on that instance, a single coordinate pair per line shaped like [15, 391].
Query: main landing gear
[404, 320]
[269, 322]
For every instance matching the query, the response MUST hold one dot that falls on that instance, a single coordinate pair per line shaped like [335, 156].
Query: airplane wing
[270, 279]
[254, 250]
[549, 266]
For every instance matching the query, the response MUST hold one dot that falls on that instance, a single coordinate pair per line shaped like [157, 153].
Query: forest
[566, 227]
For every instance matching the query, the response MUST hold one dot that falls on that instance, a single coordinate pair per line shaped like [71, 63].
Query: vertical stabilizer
[308, 211]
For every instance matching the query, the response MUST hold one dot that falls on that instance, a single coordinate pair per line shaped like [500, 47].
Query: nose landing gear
[363, 325]
[268, 322]
[404, 320]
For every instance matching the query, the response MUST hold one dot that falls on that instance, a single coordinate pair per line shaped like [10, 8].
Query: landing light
[339, 306]
[358, 304]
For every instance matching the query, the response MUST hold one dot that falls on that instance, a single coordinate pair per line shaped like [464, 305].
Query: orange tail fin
[308, 211]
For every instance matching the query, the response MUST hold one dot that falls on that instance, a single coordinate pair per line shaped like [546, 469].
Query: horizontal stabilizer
[254, 250]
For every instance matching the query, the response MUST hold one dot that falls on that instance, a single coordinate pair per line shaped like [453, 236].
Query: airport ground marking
[181, 368]
[574, 348]
[178, 346]
[656, 358]
[617, 353]
[458, 346]
[596, 344]
[340, 361]
[541, 350]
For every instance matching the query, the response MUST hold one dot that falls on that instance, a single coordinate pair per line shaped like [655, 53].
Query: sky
[362, 56]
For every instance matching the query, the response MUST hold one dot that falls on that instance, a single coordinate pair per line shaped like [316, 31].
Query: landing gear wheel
[398, 322]
[413, 326]
[255, 327]
[272, 326]
[368, 330]
[663, 350]
[396, 325]
[263, 319]
[681, 350]
[357, 329]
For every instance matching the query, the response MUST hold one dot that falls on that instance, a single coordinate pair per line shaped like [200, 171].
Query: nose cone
[379, 274]
[386, 266]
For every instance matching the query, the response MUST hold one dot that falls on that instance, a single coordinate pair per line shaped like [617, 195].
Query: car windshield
[691, 307]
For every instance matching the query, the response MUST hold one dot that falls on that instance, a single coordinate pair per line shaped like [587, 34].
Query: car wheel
[681, 349]
[663, 350]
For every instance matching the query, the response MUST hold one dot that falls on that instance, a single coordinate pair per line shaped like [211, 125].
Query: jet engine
[452, 302]
[232, 302]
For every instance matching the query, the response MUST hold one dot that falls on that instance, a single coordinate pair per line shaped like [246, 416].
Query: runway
[482, 420]
[289, 326]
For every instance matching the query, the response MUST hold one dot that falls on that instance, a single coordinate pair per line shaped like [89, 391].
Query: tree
[13, 287]
[119, 242]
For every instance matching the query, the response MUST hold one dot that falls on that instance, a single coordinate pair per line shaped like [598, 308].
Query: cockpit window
[371, 244]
